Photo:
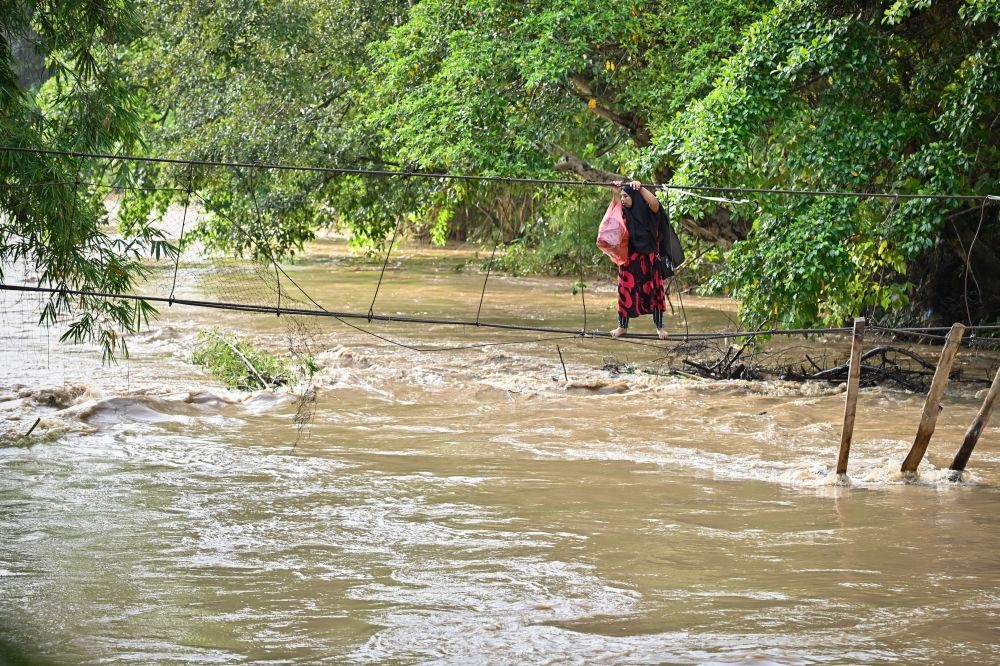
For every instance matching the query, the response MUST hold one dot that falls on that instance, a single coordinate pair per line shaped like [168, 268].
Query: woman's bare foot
[618, 332]
[662, 333]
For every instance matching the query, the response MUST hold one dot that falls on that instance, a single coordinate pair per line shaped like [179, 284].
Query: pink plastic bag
[612, 235]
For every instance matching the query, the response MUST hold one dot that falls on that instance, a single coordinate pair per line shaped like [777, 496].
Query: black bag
[664, 266]
[674, 256]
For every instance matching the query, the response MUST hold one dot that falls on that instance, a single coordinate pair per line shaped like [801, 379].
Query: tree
[50, 219]
[254, 81]
[817, 95]
[893, 96]
[541, 89]
[500, 86]
[488, 87]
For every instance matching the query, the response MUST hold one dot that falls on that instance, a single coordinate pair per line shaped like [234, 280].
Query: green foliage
[562, 242]
[241, 366]
[503, 86]
[257, 82]
[897, 95]
[858, 96]
[816, 273]
[493, 87]
[50, 218]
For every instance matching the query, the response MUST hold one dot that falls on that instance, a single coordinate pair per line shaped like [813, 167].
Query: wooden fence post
[851, 403]
[928, 420]
[976, 429]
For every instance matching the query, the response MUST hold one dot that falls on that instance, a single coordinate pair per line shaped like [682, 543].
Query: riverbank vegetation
[897, 96]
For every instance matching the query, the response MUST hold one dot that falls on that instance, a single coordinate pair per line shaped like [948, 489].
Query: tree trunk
[958, 280]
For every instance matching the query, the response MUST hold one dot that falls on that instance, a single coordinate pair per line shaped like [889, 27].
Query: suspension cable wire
[266, 309]
[370, 316]
[96, 185]
[136, 188]
[29, 186]
[342, 320]
[480, 345]
[501, 179]
[252, 186]
[685, 193]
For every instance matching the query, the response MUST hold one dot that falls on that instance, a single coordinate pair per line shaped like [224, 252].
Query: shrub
[238, 364]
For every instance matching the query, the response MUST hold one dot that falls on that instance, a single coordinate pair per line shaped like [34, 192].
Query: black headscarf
[641, 222]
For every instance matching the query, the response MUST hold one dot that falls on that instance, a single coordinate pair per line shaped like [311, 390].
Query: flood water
[482, 503]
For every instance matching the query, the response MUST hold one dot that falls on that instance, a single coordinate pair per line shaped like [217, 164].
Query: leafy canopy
[51, 220]
[899, 96]
[799, 94]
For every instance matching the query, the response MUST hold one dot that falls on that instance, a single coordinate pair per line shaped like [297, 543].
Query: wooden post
[976, 429]
[932, 406]
[851, 404]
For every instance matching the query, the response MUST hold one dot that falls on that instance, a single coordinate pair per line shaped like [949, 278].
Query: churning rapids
[476, 505]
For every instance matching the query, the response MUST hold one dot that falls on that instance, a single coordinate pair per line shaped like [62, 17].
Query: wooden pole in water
[976, 429]
[565, 376]
[851, 404]
[932, 406]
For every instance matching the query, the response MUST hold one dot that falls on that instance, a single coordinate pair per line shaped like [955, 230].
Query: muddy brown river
[474, 502]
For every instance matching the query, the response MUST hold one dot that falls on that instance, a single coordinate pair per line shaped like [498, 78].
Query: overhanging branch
[600, 105]
[570, 163]
[718, 226]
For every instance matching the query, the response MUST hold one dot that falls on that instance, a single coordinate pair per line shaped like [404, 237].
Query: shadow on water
[15, 650]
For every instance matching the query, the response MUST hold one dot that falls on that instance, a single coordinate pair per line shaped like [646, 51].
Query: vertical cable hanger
[252, 185]
[72, 218]
[489, 266]
[180, 240]
[388, 252]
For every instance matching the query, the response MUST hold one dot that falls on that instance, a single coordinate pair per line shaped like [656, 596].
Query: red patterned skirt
[640, 287]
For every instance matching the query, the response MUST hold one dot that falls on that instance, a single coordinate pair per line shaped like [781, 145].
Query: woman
[640, 285]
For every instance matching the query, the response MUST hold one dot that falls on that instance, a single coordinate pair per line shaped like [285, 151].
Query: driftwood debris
[882, 366]
[728, 366]
[879, 366]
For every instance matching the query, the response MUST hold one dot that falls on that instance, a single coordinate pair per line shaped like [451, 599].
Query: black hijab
[641, 222]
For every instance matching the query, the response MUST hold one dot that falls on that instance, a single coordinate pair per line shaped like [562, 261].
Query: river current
[474, 496]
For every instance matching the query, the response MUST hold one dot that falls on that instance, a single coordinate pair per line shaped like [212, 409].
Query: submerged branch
[885, 365]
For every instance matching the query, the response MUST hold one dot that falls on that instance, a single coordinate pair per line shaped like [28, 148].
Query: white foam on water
[519, 638]
[870, 471]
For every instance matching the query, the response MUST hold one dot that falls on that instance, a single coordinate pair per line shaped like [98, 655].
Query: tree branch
[717, 227]
[633, 123]
[570, 163]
